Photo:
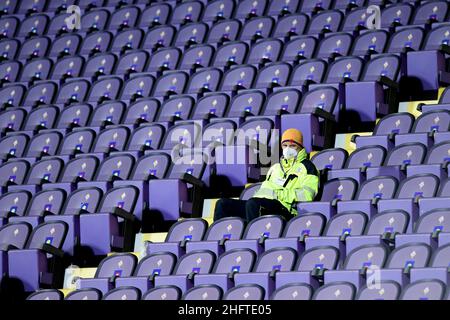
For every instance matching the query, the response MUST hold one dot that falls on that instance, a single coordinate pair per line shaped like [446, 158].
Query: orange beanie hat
[292, 135]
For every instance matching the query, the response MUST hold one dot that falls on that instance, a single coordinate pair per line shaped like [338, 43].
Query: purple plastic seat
[34, 25]
[13, 236]
[282, 101]
[435, 11]
[197, 57]
[424, 290]
[65, 46]
[12, 120]
[386, 129]
[265, 51]
[425, 127]
[398, 159]
[158, 37]
[358, 162]
[8, 49]
[335, 291]
[246, 103]
[308, 72]
[397, 14]
[96, 43]
[169, 292]
[406, 39]
[44, 144]
[268, 264]
[141, 111]
[273, 75]
[146, 137]
[293, 291]
[84, 294]
[94, 20]
[191, 34]
[46, 294]
[13, 173]
[224, 31]
[8, 26]
[330, 159]
[132, 62]
[12, 204]
[204, 81]
[203, 292]
[256, 232]
[122, 294]
[99, 65]
[76, 142]
[210, 106]
[125, 17]
[136, 88]
[150, 267]
[218, 233]
[170, 83]
[245, 292]
[164, 59]
[67, 67]
[31, 265]
[218, 10]
[291, 25]
[297, 230]
[13, 146]
[250, 9]
[299, 48]
[35, 70]
[113, 138]
[179, 235]
[110, 268]
[11, 96]
[435, 162]
[336, 44]
[189, 11]
[73, 92]
[387, 290]
[117, 212]
[43, 203]
[128, 39]
[326, 21]
[257, 28]
[370, 43]
[155, 14]
[335, 190]
[229, 264]
[45, 116]
[80, 201]
[188, 266]
[315, 6]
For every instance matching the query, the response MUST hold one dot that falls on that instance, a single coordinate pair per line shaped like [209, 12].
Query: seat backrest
[383, 187]
[117, 265]
[414, 255]
[230, 228]
[346, 223]
[269, 226]
[51, 233]
[163, 293]
[366, 257]
[281, 259]
[335, 291]
[161, 263]
[425, 289]
[204, 292]
[293, 291]
[245, 292]
[198, 262]
[339, 188]
[15, 234]
[391, 221]
[437, 220]
[190, 229]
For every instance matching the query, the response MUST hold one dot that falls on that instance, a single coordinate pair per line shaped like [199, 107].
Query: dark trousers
[249, 209]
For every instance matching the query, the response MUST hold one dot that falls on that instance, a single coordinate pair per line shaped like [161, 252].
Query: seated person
[293, 179]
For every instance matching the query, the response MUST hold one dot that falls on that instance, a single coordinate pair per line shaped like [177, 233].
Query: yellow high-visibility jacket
[290, 181]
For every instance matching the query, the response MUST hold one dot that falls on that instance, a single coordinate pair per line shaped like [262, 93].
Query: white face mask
[289, 153]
